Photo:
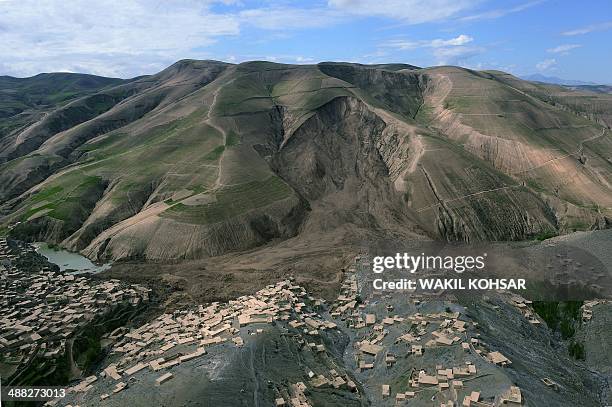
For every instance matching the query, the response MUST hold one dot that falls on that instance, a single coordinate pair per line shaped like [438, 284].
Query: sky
[127, 38]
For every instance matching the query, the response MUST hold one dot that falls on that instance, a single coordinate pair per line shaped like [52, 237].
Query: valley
[363, 346]
[223, 219]
[234, 157]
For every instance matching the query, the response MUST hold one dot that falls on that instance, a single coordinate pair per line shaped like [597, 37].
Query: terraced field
[231, 201]
[205, 158]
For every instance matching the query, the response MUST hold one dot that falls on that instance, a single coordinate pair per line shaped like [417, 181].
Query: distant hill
[594, 88]
[554, 80]
[23, 100]
[19, 94]
[205, 158]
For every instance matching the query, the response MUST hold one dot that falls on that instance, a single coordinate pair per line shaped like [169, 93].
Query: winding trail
[209, 121]
[444, 201]
[578, 152]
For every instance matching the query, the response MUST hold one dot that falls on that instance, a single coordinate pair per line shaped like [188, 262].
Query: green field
[232, 201]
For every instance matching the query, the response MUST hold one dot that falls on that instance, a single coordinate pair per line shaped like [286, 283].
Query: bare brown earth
[205, 159]
[315, 265]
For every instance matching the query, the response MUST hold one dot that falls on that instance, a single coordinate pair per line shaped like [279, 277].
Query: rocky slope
[206, 157]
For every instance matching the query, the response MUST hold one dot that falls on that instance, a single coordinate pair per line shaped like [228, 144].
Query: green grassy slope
[24, 101]
[206, 157]
[19, 94]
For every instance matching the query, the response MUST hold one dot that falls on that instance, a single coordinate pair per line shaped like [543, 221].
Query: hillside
[23, 100]
[206, 158]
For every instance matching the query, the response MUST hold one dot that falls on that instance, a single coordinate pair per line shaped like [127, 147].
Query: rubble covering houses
[412, 333]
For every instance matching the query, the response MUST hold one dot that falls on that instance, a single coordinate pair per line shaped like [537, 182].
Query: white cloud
[106, 37]
[280, 58]
[437, 43]
[131, 37]
[479, 66]
[492, 14]
[546, 64]
[563, 49]
[404, 45]
[453, 51]
[460, 40]
[456, 55]
[304, 60]
[409, 11]
[590, 28]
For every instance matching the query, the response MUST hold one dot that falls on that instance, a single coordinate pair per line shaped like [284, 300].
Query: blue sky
[125, 38]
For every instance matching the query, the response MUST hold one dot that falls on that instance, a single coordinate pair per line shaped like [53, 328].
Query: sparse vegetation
[215, 154]
[46, 193]
[576, 350]
[232, 139]
[546, 235]
[231, 201]
[559, 316]
[156, 140]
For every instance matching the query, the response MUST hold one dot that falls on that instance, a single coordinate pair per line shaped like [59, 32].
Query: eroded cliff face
[207, 158]
[344, 160]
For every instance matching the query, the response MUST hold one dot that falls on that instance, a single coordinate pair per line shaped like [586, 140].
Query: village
[420, 348]
[41, 310]
[173, 339]
[382, 335]
[385, 339]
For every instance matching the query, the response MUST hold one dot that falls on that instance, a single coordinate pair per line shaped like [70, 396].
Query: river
[68, 260]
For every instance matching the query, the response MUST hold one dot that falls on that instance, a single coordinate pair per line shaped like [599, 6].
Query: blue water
[67, 260]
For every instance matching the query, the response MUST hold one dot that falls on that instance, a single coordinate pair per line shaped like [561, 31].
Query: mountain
[24, 96]
[206, 158]
[594, 88]
[537, 77]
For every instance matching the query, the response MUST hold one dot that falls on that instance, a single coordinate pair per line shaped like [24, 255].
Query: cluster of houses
[298, 399]
[418, 332]
[41, 309]
[587, 309]
[383, 335]
[172, 339]
[524, 306]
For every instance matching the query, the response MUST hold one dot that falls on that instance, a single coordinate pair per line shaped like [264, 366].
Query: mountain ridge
[205, 158]
[537, 77]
